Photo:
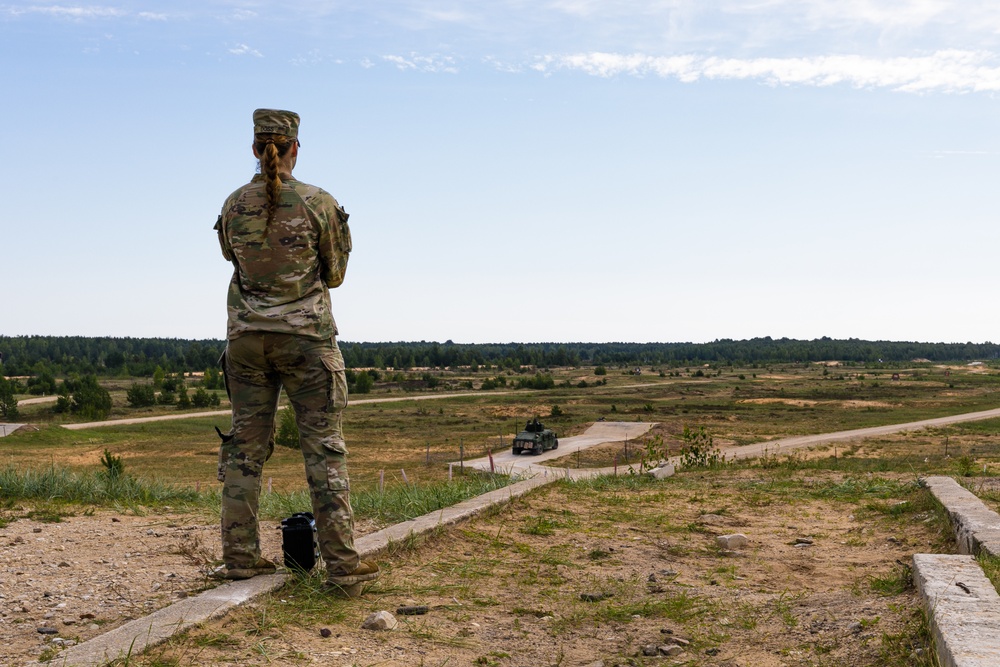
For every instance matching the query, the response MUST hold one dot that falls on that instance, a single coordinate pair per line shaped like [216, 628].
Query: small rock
[325, 632]
[803, 540]
[712, 519]
[712, 651]
[670, 649]
[47, 631]
[64, 564]
[599, 663]
[69, 621]
[594, 597]
[651, 650]
[651, 578]
[855, 627]
[87, 616]
[36, 530]
[380, 620]
[730, 542]
[115, 519]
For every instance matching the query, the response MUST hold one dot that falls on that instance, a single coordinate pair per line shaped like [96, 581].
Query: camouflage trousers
[257, 366]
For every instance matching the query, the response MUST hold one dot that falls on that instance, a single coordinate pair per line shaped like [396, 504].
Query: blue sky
[566, 170]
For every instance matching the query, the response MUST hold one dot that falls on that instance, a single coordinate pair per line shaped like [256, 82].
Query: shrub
[288, 429]
[8, 404]
[363, 383]
[43, 383]
[183, 400]
[539, 381]
[90, 400]
[699, 450]
[201, 398]
[140, 395]
[600, 370]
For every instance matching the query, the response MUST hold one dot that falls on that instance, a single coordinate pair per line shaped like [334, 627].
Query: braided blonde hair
[271, 148]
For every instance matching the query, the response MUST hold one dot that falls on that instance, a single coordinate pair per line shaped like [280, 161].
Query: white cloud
[433, 63]
[244, 50]
[950, 71]
[152, 16]
[60, 11]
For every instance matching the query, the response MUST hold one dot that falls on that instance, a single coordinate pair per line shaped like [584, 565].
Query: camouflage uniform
[282, 333]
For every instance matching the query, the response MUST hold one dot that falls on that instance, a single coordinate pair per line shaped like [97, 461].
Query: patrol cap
[276, 121]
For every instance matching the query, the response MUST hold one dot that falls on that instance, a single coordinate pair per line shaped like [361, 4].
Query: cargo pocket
[336, 397]
[226, 450]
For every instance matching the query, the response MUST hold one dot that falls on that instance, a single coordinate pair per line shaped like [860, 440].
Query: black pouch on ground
[298, 541]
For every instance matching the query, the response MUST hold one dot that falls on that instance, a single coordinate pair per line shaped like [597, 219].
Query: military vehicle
[535, 438]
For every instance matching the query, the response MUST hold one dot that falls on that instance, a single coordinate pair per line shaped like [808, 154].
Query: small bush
[201, 398]
[600, 370]
[288, 429]
[539, 381]
[699, 450]
[140, 395]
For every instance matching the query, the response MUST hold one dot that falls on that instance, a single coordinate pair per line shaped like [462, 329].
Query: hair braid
[271, 148]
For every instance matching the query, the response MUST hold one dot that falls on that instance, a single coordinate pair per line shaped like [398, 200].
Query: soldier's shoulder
[239, 192]
[314, 195]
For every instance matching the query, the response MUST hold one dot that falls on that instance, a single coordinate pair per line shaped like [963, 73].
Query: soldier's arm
[227, 250]
[334, 244]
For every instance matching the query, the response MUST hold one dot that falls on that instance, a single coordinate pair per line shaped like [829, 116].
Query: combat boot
[262, 566]
[350, 585]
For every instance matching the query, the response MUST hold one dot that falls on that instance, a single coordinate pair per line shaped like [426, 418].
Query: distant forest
[61, 355]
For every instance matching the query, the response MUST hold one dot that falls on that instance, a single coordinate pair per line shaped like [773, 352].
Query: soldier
[289, 243]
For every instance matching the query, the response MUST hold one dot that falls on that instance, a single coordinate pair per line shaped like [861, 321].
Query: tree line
[141, 357]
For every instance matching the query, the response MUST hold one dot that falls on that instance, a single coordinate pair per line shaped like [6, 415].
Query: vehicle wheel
[556, 446]
[516, 451]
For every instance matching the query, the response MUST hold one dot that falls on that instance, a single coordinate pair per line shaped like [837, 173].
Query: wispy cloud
[79, 12]
[70, 12]
[950, 71]
[244, 50]
[432, 63]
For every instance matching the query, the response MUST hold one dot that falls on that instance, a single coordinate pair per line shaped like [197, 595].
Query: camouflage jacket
[283, 270]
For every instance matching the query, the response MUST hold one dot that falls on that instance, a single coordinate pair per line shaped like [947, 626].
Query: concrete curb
[977, 527]
[138, 635]
[963, 608]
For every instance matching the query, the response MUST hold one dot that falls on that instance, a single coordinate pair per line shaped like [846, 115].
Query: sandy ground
[500, 587]
[508, 589]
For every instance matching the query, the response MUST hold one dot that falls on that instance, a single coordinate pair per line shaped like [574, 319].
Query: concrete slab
[977, 527]
[7, 429]
[963, 607]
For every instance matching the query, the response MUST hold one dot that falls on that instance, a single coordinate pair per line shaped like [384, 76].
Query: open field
[733, 406]
[505, 589]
